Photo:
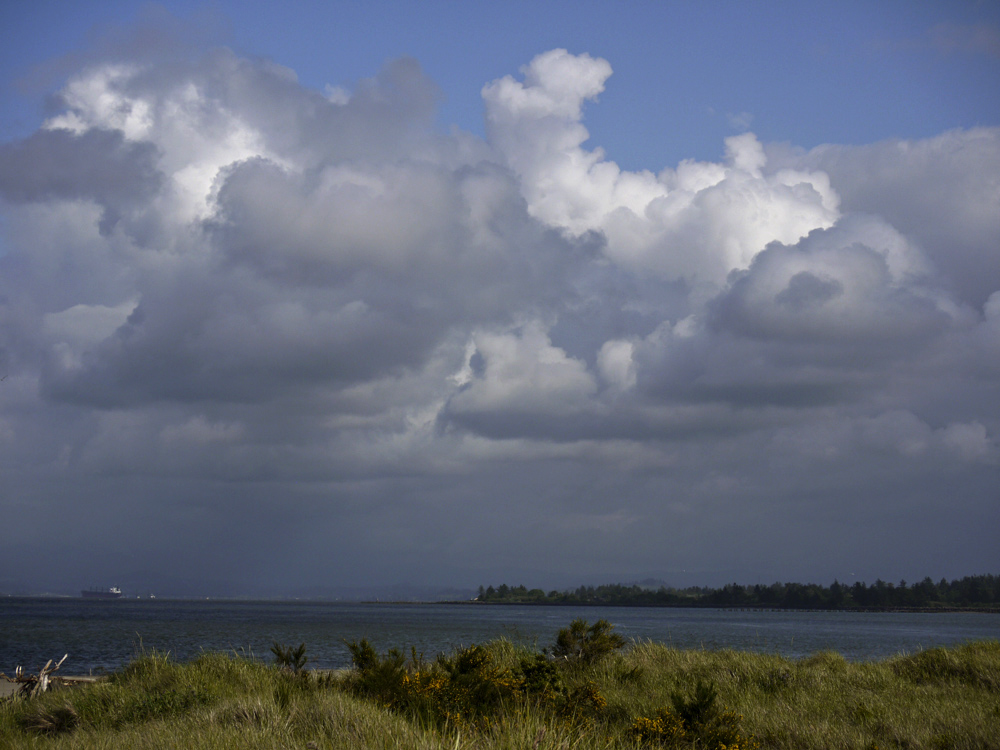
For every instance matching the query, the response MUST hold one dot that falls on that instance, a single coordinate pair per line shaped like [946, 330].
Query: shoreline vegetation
[979, 593]
[586, 690]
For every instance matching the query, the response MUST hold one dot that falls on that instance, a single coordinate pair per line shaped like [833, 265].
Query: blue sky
[315, 298]
[805, 73]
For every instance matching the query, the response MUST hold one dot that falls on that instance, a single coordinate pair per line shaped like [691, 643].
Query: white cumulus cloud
[223, 293]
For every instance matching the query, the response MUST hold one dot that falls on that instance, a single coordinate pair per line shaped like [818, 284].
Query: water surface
[105, 635]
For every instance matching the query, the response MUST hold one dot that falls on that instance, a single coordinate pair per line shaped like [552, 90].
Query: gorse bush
[381, 678]
[663, 728]
[667, 729]
[468, 687]
[540, 677]
[695, 721]
[586, 644]
[473, 687]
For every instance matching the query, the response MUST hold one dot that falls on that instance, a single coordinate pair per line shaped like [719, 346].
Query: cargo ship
[112, 593]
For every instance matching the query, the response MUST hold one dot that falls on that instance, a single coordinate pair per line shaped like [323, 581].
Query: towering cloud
[224, 295]
[696, 222]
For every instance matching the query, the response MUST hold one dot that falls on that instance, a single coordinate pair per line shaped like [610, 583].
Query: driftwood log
[32, 685]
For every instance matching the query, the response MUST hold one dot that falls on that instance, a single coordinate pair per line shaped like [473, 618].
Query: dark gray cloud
[96, 165]
[253, 333]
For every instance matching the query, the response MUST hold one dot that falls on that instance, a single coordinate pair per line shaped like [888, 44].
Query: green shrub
[288, 658]
[584, 645]
[466, 687]
[540, 677]
[664, 728]
[699, 710]
[382, 678]
[695, 721]
[469, 687]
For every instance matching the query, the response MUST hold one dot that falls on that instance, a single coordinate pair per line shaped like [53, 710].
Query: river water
[105, 635]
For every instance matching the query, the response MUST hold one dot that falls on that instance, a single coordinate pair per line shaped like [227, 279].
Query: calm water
[105, 635]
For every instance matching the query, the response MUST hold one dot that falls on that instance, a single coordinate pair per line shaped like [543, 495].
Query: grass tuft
[974, 664]
[42, 718]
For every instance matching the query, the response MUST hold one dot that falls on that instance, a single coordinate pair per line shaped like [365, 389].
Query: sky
[333, 299]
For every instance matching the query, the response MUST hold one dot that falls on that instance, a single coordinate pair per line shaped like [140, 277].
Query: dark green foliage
[695, 721]
[364, 656]
[474, 686]
[471, 687]
[380, 677]
[540, 676]
[582, 702]
[463, 687]
[977, 592]
[288, 658]
[699, 710]
[471, 672]
[472, 660]
[583, 644]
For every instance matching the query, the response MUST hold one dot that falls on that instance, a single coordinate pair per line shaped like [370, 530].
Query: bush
[695, 721]
[540, 677]
[288, 658]
[468, 687]
[699, 710]
[664, 728]
[585, 645]
[378, 677]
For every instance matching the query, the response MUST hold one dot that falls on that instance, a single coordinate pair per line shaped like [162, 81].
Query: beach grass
[938, 699]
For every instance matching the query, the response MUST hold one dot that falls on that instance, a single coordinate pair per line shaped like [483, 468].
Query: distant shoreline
[873, 610]
[505, 603]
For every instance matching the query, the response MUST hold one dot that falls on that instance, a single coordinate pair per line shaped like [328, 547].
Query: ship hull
[101, 594]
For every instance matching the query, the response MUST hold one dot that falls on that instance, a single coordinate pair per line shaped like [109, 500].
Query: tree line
[970, 592]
